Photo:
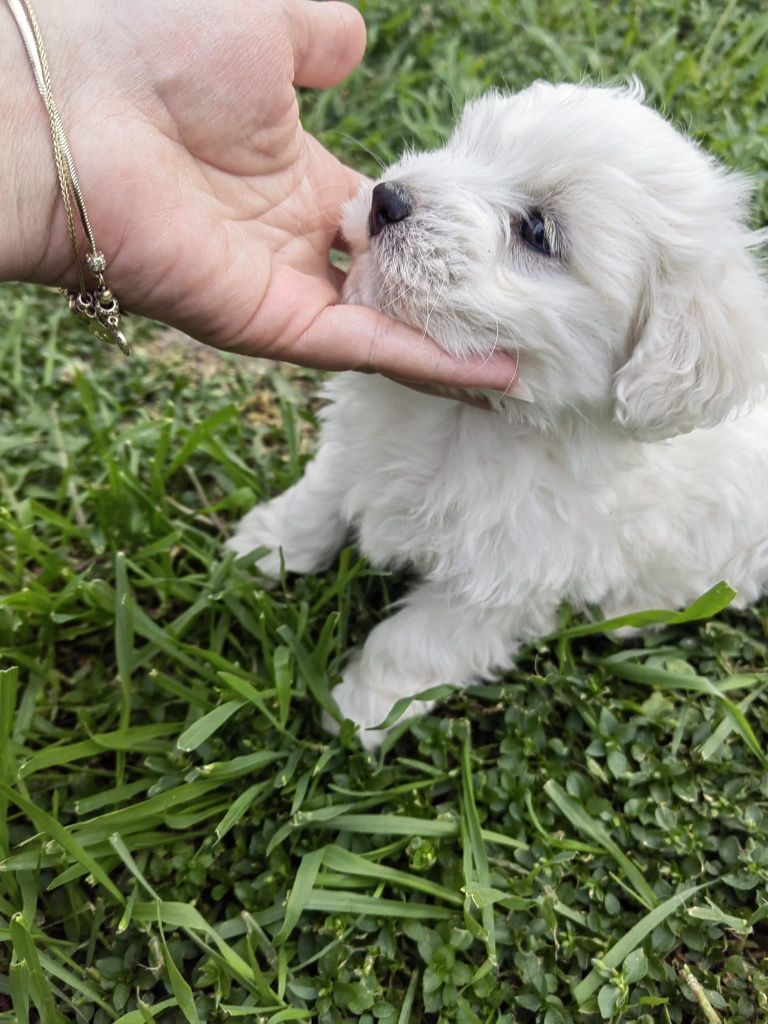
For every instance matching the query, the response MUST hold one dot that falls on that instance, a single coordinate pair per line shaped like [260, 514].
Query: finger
[298, 319]
[466, 397]
[328, 41]
[356, 338]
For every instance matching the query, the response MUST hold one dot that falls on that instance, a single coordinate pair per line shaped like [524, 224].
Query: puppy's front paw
[367, 696]
[301, 538]
[261, 528]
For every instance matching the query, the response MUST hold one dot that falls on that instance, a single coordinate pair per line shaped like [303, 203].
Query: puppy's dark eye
[533, 232]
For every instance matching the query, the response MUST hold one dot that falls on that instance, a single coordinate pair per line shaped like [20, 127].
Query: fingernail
[522, 392]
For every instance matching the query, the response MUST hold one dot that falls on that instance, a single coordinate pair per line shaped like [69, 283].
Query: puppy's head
[574, 227]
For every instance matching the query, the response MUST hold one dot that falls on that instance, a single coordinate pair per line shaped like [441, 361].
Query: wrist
[34, 244]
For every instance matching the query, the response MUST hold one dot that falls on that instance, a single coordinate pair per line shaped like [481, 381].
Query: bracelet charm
[100, 311]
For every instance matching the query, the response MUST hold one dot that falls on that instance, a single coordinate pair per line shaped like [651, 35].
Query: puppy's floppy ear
[700, 354]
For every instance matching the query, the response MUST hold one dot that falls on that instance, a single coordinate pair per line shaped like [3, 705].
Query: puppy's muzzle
[391, 203]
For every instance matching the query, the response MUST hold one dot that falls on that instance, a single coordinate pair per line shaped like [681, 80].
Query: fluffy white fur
[593, 481]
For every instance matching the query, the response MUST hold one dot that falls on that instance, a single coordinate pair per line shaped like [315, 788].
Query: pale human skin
[216, 210]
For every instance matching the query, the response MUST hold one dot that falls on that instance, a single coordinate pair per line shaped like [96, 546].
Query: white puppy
[628, 467]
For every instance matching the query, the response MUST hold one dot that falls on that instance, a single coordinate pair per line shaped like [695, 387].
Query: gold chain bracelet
[96, 305]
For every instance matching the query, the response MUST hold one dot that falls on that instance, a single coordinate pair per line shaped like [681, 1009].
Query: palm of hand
[219, 208]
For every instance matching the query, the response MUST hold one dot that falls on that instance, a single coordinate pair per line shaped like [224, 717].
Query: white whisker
[425, 332]
[350, 138]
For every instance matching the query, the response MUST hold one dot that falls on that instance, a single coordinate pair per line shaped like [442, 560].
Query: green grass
[179, 839]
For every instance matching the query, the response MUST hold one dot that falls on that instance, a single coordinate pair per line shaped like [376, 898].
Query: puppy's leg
[304, 522]
[428, 642]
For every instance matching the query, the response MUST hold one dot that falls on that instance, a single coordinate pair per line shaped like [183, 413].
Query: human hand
[216, 210]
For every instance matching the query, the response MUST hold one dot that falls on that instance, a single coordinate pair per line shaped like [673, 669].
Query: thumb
[328, 41]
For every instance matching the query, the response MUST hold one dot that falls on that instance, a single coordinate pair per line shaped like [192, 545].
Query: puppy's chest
[453, 493]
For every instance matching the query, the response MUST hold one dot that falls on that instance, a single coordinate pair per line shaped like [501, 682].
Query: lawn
[584, 841]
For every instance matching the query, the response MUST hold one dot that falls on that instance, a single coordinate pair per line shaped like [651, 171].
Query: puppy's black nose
[389, 205]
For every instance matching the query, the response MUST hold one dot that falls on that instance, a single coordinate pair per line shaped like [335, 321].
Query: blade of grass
[9, 680]
[713, 913]
[19, 988]
[311, 672]
[397, 825]
[662, 679]
[479, 858]
[179, 987]
[137, 740]
[300, 893]
[253, 696]
[288, 1014]
[404, 1017]
[621, 949]
[401, 706]
[711, 603]
[238, 809]
[52, 967]
[183, 915]
[124, 637]
[245, 764]
[146, 1012]
[205, 727]
[341, 902]
[710, 746]
[338, 859]
[587, 825]
[44, 822]
[39, 988]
